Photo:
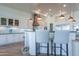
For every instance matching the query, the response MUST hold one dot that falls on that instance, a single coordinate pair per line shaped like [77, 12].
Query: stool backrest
[61, 36]
[42, 36]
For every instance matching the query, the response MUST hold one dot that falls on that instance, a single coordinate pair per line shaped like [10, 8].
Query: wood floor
[14, 49]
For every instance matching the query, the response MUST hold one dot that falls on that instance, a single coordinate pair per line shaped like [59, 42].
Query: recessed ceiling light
[45, 14]
[39, 10]
[71, 18]
[50, 9]
[64, 5]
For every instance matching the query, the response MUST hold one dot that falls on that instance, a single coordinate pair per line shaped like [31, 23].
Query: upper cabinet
[16, 22]
[3, 21]
[8, 22]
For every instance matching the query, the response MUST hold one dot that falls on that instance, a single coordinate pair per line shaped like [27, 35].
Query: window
[10, 22]
[16, 22]
[58, 28]
[66, 27]
[3, 21]
[62, 27]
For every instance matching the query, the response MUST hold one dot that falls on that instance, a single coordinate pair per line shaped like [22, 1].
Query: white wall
[57, 21]
[24, 16]
[7, 12]
[76, 15]
[15, 14]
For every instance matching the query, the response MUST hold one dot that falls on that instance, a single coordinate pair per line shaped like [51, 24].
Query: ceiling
[25, 7]
[56, 7]
[44, 7]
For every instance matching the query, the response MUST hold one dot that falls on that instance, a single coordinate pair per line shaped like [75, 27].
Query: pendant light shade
[73, 20]
[70, 18]
[61, 16]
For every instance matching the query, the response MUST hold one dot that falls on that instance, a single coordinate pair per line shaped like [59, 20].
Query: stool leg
[60, 49]
[67, 49]
[51, 47]
[54, 49]
[37, 49]
[47, 49]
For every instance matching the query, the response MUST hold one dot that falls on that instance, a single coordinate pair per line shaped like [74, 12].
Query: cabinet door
[16, 37]
[3, 40]
[16, 22]
[10, 22]
[21, 37]
[3, 21]
[31, 43]
[9, 38]
[75, 48]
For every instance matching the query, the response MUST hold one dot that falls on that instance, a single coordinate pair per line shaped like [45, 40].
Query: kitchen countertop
[76, 40]
[11, 33]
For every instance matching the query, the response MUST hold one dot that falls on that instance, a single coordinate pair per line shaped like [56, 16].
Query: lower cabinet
[3, 40]
[75, 47]
[11, 38]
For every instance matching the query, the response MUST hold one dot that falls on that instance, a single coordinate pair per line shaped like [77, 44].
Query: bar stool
[42, 41]
[61, 38]
[51, 34]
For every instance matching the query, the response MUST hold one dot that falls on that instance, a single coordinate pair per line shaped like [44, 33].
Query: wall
[15, 14]
[57, 21]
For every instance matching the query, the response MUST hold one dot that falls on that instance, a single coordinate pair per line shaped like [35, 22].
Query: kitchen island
[32, 46]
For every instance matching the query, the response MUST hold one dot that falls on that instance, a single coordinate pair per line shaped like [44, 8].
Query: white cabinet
[75, 47]
[21, 37]
[32, 45]
[15, 37]
[10, 38]
[3, 39]
[8, 22]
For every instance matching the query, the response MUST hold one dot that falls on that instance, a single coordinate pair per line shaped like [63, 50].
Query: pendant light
[71, 18]
[61, 16]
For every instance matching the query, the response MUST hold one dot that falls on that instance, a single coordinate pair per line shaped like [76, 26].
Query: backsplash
[9, 30]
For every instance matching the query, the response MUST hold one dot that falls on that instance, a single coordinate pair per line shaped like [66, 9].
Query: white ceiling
[25, 7]
[43, 6]
[56, 7]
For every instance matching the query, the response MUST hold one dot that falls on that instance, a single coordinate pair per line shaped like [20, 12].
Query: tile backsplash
[9, 30]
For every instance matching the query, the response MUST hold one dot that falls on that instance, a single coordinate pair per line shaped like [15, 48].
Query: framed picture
[3, 21]
[10, 22]
[16, 22]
